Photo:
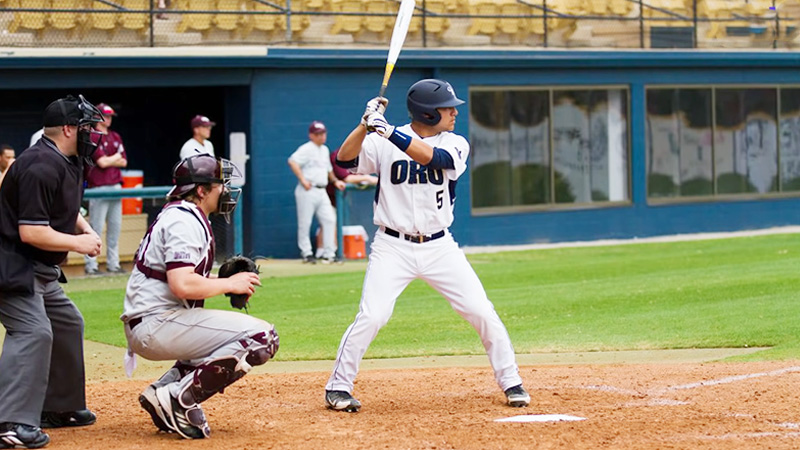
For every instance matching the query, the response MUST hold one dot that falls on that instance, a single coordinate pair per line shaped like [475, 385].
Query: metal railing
[543, 23]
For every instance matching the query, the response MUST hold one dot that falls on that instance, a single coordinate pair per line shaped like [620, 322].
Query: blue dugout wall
[288, 88]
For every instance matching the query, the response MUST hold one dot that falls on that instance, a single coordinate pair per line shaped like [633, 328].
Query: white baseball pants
[393, 264]
[310, 202]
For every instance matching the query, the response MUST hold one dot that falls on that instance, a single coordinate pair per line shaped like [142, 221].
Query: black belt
[321, 187]
[135, 321]
[417, 239]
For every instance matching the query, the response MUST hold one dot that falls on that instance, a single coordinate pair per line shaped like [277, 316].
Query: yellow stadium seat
[433, 24]
[229, 22]
[36, 21]
[515, 26]
[380, 24]
[267, 23]
[66, 20]
[135, 21]
[299, 21]
[351, 23]
[620, 7]
[197, 22]
[720, 9]
[314, 5]
[483, 25]
[106, 21]
[674, 6]
[597, 7]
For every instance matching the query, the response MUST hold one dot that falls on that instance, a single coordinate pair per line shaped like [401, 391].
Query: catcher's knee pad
[268, 343]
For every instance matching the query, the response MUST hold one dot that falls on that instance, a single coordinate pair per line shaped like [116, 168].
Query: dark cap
[64, 111]
[106, 110]
[202, 121]
[317, 127]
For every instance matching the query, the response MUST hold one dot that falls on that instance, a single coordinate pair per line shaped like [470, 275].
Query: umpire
[40, 222]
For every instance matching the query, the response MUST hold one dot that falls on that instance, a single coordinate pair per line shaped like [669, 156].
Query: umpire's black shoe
[79, 418]
[15, 435]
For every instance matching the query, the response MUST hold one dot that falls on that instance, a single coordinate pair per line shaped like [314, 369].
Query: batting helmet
[425, 96]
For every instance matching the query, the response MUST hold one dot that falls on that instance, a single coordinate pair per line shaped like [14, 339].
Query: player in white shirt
[417, 166]
[199, 142]
[311, 164]
[163, 310]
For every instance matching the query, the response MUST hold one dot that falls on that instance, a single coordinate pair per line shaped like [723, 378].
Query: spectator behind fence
[106, 213]
[199, 143]
[7, 156]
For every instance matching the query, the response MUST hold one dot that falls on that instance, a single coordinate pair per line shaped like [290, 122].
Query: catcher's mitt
[232, 266]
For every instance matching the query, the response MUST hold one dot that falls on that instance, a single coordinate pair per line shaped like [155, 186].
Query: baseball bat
[398, 38]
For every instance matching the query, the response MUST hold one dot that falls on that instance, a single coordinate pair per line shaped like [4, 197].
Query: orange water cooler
[132, 179]
[354, 240]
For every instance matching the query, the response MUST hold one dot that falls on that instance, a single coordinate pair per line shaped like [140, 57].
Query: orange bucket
[132, 179]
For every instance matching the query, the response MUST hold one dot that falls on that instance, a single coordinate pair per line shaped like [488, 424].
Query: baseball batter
[164, 316]
[418, 165]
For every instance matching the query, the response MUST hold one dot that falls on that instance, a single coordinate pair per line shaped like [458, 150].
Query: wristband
[400, 140]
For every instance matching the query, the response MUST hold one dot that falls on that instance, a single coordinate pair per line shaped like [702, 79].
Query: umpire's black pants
[44, 341]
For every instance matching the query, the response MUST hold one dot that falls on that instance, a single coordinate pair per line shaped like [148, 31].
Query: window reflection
[678, 142]
[790, 140]
[745, 141]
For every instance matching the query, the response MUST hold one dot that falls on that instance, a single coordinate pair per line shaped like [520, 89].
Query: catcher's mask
[202, 169]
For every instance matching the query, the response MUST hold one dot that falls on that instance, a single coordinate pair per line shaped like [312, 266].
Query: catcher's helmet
[425, 96]
[204, 168]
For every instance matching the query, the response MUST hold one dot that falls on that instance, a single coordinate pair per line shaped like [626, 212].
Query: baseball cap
[63, 111]
[317, 127]
[106, 110]
[202, 121]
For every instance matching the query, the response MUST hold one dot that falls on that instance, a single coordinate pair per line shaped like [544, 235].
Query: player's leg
[114, 225]
[449, 272]
[25, 360]
[65, 402]
[388, 273]
[98, 209]
[305, 212]
[326, 216]
[222, 345]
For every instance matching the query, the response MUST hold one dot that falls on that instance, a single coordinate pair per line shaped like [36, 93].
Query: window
[540, 148]
[705, 141]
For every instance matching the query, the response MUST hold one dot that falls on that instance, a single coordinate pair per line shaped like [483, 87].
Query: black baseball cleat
[517, 396]
[16, 435]
[188, 421]
[309, 259]
[149, 403]
[341, 401]
[80, 418]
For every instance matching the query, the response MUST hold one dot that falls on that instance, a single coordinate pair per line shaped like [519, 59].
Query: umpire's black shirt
[42, 187]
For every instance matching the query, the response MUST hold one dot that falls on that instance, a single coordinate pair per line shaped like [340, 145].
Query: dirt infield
[625, 406]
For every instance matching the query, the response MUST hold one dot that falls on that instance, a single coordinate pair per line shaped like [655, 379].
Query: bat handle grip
[382, 91]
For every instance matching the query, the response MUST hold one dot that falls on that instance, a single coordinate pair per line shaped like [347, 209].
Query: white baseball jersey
[180, 236]
[413, 199]
[314, 161]
[193, 147]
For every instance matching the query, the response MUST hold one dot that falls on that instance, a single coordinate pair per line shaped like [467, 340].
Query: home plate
[541, 418]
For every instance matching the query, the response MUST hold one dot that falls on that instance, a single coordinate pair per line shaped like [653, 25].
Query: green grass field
[735, 292]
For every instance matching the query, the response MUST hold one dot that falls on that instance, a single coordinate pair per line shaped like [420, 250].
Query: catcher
[163, 313]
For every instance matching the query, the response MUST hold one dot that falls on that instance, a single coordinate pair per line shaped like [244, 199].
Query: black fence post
[152, 37]
[777, 25]
[544, 7]
[694, 11]
[641, 25]
[424, 27]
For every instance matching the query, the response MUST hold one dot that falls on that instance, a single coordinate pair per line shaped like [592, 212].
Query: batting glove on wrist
[377, 104]
[378, 123]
